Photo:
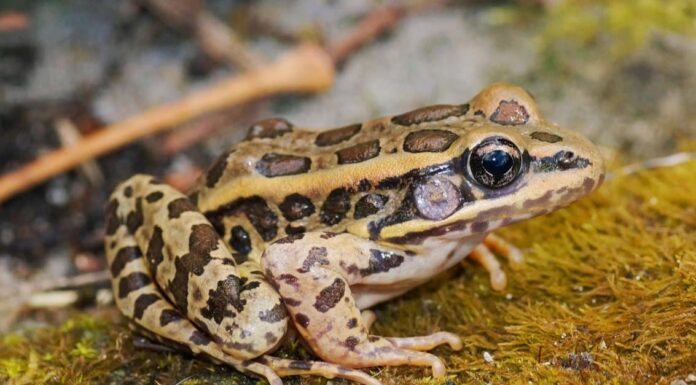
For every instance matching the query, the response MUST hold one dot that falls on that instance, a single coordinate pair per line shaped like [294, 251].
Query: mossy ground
[607, 295]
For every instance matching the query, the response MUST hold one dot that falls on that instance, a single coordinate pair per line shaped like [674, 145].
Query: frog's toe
[487, 259]
[499, 245]
[438, 368]
[498, 280]
[285, 368]
[428, 342]
[264, 371]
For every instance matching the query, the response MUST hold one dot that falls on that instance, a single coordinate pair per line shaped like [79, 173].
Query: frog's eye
[495, 162]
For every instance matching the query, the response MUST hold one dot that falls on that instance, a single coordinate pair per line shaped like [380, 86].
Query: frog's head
[508, 164]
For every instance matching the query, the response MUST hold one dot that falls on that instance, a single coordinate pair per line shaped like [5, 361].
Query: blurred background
[620, 71]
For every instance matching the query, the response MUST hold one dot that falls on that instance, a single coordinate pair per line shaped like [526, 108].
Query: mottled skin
[310, 227]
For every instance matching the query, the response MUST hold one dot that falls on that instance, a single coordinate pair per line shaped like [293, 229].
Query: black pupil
[497, 162]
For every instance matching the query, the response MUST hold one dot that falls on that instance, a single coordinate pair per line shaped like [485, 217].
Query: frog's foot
[285, 368]
[484, 254]
[506, 249]
[314, 274]
[428, 342]
[487, 259]
[280, 367]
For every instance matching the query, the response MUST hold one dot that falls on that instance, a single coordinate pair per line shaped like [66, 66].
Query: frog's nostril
[566, 159]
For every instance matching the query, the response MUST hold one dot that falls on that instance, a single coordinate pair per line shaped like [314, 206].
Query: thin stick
[215, 38]
[649, 164]
[191, 133]
[374, 24]
[221, 43]
[69, 135]
[369, 28]
[85, 279]
[12, 21]
[304, 69]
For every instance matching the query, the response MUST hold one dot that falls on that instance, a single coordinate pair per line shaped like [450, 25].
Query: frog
[299, 231]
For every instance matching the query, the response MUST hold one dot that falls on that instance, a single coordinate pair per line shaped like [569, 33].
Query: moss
[12, 368]
[572, 30]
[98, 348]
[623, 25]
[607, 293]
[607, 296]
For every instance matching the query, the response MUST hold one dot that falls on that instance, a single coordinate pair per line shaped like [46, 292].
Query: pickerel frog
[306, 228]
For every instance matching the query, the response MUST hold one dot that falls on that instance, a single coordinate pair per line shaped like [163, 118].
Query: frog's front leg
[314, 273]
[484, 254]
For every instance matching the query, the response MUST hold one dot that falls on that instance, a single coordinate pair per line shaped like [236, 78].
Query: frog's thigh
[314, 273]
[141, 301]
[193, 267]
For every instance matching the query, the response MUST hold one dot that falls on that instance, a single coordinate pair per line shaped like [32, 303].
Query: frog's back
[278, 158]
[284, 180]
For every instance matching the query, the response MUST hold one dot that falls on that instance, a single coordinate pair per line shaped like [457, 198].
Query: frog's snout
[569, 166]
[587, 160]
[598, 168]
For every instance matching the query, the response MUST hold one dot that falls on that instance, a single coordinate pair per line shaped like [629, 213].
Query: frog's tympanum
[306, 228]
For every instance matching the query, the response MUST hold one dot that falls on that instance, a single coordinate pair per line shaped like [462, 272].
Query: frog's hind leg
[139, 294]
[269, 367]
[285, 367]
[140, 299]
[421, 343]
[314, 273]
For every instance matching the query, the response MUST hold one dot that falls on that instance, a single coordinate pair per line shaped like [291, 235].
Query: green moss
[12, 368]
[607, 293]
[83, 349]
[607, 296]
[624, 25]
[571, 30]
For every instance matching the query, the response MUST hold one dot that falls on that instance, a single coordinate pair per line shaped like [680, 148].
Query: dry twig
[374, 24]
[191, 133]
[58, 292]
[222, 44]
[70, 135]
[370, 27]
[215, 38]
[184, 178]
[12, 21]
[304, 69]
